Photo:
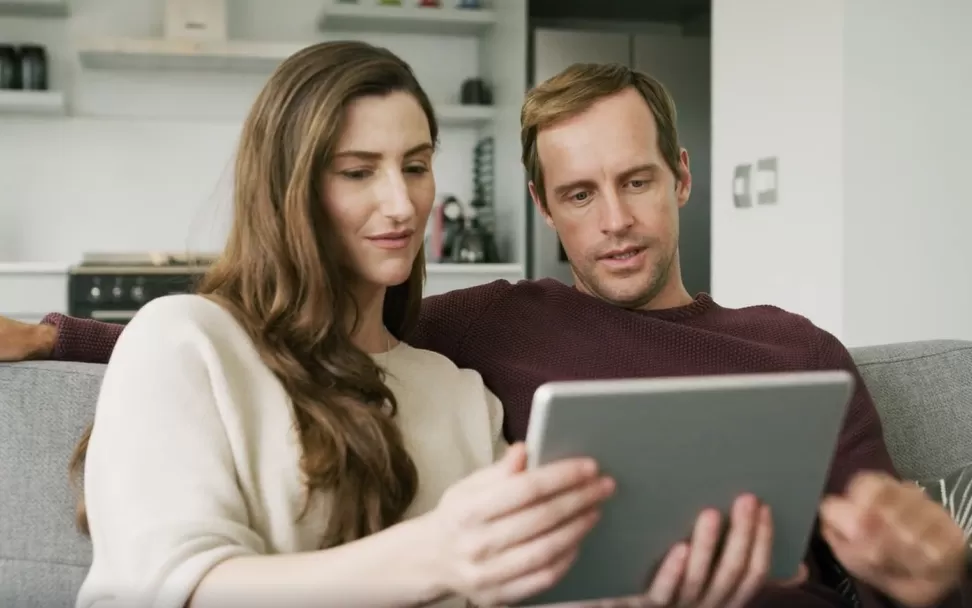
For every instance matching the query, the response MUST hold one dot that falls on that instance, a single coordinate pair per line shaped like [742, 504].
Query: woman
[269, 441]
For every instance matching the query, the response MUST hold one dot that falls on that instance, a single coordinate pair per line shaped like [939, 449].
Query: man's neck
[673, 295]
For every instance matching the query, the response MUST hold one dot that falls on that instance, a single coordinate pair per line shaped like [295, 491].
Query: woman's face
[379, 188]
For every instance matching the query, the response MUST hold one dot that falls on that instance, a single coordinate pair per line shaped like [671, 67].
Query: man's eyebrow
[365, 155]
[626, 175]
[645, 168]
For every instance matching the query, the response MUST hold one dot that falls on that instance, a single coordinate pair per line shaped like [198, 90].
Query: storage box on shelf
[120, 53]
[390, 19]
[33, 8]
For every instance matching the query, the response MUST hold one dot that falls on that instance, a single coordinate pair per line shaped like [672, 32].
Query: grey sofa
[923, 391]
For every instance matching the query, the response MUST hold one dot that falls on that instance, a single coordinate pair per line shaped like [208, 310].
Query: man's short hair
[576, 89]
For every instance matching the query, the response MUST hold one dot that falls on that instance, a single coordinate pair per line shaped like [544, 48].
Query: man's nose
[615, 216]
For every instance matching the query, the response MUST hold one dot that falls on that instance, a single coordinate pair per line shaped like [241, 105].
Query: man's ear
[683, 187]
[540, 206]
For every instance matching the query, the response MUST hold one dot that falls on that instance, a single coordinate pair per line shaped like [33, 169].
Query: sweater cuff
[82, 340]
[54, 319]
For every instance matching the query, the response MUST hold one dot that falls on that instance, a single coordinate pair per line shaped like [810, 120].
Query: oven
[113, 287]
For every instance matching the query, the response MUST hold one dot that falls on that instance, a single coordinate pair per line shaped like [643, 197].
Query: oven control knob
[138, 293]
[95, 293]
[116, 292]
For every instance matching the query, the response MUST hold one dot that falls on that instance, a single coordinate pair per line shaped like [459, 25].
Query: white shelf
[444, 21]
[464, 116]
[45, 103]
[162, 54]
[33, 8]
[37, 268]
[500, 270]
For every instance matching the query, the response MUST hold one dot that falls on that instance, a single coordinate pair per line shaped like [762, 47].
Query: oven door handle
[109, 316]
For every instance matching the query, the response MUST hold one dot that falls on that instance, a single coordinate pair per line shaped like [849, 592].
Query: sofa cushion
[923, 393]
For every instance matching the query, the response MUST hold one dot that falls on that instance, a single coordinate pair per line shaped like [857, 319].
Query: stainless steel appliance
[112, 287]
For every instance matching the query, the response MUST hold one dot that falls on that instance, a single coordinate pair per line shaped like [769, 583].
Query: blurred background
[827, 138]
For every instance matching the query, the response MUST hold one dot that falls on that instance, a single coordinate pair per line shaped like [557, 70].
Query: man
[606, 170]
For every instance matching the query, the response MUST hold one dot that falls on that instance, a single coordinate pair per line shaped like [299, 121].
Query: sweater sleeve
[84, 340]
[160, 480]
[446, 319]
[861, 447]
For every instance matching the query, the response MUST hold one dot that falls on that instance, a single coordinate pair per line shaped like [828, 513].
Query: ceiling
[671, 11]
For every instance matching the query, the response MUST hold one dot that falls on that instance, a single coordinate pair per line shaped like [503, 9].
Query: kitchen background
[124, 146]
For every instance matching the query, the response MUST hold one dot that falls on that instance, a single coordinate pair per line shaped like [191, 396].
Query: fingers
[529, 560]
[760, 557]
[541, 517]
[665, 585]
[884, 526]
[530, 487]
[736, 559]
[534, 582]
[702, 550]
[802, 575]
[857, 527]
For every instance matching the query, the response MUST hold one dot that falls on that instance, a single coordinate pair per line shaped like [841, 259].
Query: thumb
[839, 517]
[512, 462]
[515, 458]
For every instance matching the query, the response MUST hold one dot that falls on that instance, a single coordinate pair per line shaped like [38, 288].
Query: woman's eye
[356, 174]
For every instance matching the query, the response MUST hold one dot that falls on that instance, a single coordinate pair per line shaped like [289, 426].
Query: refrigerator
[683, 64]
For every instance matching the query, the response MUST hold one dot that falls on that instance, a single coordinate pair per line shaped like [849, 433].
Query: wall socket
[763, 181]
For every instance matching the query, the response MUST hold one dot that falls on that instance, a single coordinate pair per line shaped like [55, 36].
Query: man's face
[612, 199]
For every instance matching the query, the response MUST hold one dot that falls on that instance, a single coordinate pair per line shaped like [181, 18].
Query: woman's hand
[505, 533]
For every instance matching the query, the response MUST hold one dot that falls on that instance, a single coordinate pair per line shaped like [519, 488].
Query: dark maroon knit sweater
[521, 336]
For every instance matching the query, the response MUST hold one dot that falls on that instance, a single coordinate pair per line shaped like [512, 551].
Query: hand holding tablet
[682, 451]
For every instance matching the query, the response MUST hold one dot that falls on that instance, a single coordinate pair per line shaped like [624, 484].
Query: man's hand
[22, 341]
[687, 579]
[889, 535]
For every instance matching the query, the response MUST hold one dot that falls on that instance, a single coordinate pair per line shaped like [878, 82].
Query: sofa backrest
[923, 391]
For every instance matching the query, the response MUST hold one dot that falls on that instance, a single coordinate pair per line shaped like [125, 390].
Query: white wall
[144, 162]
[864, 103]
[907, 196]
[777, 83]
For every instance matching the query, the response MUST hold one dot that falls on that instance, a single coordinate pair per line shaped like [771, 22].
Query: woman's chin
[390, 274]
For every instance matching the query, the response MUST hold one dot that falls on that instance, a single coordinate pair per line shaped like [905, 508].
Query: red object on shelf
[430, 3]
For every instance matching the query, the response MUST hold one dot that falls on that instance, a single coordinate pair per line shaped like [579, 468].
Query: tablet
[678, 445]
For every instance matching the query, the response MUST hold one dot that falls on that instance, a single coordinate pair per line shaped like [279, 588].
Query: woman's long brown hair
[282, 278]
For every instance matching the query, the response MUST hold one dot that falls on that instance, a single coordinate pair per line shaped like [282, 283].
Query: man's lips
[622, 253]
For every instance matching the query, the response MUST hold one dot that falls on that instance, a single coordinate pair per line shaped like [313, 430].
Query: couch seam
[48, 562]
[903, 358]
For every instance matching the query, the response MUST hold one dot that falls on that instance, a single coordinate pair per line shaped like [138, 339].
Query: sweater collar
[701, 304]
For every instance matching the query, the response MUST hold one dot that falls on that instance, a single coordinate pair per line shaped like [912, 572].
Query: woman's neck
[370, 334]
